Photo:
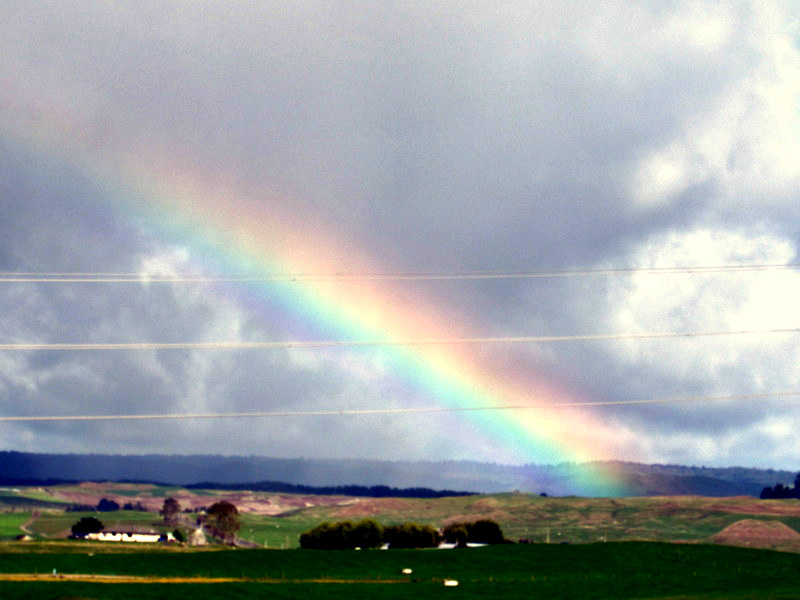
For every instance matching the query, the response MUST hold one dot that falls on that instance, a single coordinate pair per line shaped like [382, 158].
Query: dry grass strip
[91, 578]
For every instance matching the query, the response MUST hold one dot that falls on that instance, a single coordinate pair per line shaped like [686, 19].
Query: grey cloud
[501, 138]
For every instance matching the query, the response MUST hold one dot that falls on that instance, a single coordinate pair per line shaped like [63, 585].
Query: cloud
[510, 137]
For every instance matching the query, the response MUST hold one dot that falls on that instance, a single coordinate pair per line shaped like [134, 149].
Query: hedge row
[343, 535]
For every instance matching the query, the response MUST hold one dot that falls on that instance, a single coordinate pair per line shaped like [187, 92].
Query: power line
[396, 411]
[121, 277]
[356, 343]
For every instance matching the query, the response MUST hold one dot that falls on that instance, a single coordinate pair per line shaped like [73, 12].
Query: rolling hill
[553, 480]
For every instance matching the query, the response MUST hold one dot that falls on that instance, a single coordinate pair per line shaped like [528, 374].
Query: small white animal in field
[407, 571]
[450, 582]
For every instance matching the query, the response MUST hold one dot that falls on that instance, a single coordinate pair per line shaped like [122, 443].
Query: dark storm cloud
[518, 136]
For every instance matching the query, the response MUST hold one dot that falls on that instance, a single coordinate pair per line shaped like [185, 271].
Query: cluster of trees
[347, 535]
[374, 491]
[411, 535]
[343, 535]
[106, 505]
[222, 520]
[782, 491]
[85, 526]
[484, 531]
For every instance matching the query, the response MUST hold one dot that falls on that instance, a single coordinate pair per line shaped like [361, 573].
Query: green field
[56, 525]
[521, 516]
[573, 520]
[10, 524]
[577, 563]
[274, 532]
[588, 571]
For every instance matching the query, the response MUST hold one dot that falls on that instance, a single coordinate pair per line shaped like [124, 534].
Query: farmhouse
[130, 535]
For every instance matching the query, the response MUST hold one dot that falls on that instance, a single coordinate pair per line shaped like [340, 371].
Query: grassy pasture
[589, 571]
[522, 516]
[10, 524]
[573, 520]
[52, 525]
[274, 532]
[12, 501]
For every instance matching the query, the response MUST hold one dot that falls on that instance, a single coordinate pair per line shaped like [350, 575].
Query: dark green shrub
[86, 526]
[411, 535]
[484, 531]
[366, 534]
[328, 536]
[457, 533]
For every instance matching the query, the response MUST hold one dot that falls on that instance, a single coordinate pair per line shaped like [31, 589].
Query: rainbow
[232, 229]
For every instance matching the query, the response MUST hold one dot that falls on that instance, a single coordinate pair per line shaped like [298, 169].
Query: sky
[326, 142]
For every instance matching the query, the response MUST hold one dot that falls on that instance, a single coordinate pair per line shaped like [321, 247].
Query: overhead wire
[145, 277]
[231, 345]
[121, 277]
[397, 411]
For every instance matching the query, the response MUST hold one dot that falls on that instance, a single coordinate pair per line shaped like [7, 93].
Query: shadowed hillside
[554, 480]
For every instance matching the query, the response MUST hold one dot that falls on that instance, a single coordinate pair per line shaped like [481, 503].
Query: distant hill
[554, 480]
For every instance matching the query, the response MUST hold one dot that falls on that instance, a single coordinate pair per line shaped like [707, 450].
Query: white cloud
[745, 135]
[688, 302]
[481, 137]
[663, 175]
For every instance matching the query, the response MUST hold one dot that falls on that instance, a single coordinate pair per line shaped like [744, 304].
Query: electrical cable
[395, 411]
[120, 277]
[375, 343]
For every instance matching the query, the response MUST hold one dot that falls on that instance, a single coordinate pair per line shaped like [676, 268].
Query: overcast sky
[443, 137]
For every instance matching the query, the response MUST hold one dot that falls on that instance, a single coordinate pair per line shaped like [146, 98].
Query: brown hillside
[758, 534]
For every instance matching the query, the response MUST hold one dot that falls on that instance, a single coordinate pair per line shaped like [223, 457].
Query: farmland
[276, 520]
[614, 570]
[598, 548]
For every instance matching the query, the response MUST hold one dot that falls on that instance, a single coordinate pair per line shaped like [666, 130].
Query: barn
[130, 534]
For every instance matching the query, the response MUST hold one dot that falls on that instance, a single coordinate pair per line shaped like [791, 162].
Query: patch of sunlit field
[274, 532]
[54, 524]
[10, 524]
[589, 571]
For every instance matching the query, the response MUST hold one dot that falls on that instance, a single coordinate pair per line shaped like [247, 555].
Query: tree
[86, 526]
[411, 535]
[457, 533]
[782, 491]
[484, 531]
[222, 518]
[106, 505]
[328, 536]
[366, 534]
[170, 511]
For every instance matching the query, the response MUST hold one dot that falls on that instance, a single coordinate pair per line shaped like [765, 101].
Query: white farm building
[130, 535]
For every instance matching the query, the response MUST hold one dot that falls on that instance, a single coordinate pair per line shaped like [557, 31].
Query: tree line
[782, 491]
[368, 533]
[361, 491]
[106, 505]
